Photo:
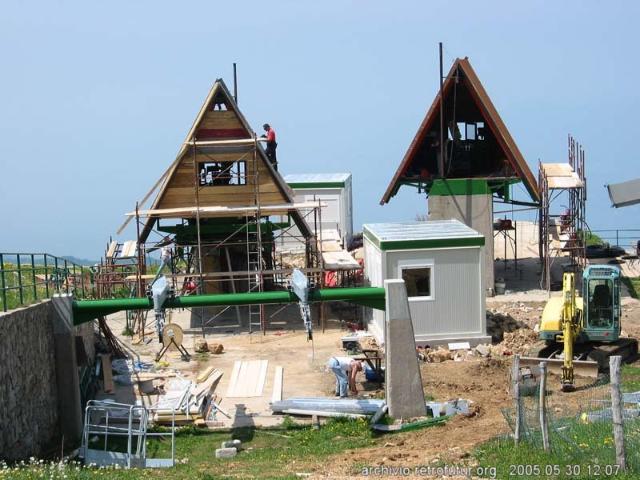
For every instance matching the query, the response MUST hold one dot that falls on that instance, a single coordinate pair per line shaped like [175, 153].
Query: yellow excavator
[581, 333]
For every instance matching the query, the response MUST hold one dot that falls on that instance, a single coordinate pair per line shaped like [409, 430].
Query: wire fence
[26, 278]
[579, 425]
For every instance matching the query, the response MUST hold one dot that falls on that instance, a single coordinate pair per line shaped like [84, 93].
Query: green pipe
[87, 310]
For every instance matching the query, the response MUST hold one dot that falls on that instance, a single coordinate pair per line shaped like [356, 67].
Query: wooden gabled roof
[491, 117]
[176, 186]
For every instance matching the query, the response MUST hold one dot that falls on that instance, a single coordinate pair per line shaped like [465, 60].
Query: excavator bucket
[581, 368]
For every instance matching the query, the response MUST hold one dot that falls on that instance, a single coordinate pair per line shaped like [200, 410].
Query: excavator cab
[601, 293]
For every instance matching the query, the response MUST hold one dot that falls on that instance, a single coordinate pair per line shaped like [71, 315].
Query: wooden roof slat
[223, 209]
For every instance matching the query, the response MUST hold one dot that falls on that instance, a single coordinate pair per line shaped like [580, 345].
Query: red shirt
[271, 135]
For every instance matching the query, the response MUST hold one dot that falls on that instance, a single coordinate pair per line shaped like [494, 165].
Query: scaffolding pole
[571, 223]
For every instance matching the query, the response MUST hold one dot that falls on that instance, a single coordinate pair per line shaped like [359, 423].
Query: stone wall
[29, 410]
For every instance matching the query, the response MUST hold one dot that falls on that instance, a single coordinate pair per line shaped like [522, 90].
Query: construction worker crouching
[345, 369]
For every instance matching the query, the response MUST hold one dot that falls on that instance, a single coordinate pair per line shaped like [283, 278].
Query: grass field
[275, 454]
[580, 451]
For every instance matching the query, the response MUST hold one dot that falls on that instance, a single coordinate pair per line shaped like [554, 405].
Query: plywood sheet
[557, 169]
[112, 249]
[572, 181]
[129, 249]
[247, 378]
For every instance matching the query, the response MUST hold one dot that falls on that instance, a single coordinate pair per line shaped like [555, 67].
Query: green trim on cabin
[462, 186]
[316, 185]
[424, 243]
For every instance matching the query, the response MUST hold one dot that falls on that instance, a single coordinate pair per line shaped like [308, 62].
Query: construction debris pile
[499, 323]
[518, 341]
[509, 316]
[187, 401]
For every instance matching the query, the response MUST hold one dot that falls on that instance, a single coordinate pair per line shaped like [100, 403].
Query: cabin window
[419, 281]
[222, 173]
[468, 131]
[600, 303]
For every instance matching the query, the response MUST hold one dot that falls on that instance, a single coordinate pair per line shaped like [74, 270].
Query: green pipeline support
[87, 310]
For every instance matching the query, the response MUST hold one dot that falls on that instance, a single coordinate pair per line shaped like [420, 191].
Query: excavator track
[590, 359]
[627, 348]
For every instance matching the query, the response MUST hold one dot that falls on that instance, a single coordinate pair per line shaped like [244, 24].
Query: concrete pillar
[403, 382]
[66, 367]
[475, 211]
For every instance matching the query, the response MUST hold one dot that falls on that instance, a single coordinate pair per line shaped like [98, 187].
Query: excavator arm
[565, 318]
[571, 324]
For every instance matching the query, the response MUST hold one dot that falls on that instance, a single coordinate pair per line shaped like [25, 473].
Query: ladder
[254, 264]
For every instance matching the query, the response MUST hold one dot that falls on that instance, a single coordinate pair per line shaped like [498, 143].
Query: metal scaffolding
[563, 234]
[232, 251]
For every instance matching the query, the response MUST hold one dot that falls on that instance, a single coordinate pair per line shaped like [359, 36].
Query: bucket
[500, 286]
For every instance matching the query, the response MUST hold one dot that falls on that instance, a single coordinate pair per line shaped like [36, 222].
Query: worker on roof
[345, 369]
[270, 138]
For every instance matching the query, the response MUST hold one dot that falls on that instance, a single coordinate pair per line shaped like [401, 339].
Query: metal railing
[26, 278]
[628, 236]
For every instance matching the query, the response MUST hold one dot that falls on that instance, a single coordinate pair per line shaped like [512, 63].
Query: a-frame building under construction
[220, 206]
[467, 163]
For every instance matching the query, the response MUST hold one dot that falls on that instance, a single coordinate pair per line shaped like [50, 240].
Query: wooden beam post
[515, 382]
[616, 410]
[544, 426]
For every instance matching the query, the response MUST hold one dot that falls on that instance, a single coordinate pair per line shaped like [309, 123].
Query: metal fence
[624, 237]
[26, 278]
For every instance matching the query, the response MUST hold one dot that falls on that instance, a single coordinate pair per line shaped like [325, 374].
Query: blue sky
[96, 97]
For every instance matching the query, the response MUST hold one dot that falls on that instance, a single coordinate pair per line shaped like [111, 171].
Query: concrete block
[483, 349]
[226, 452]
[403, 387]
[231, 444]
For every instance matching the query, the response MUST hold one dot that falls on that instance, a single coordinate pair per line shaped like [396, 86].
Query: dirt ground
[482, 380]
[303, 362]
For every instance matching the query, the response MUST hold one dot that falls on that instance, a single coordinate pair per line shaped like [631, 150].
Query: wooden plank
[207, 387]
[262, 378]
[202, 376]
[220, 120]
[112, 249]
[238, 201]
[249, 379]
[278, 378]
[233, 380]
[221, 191]
[190, 210]
[557, 169]
[107, 373]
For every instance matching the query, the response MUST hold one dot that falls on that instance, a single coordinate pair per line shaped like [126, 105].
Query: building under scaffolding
[563, 225]
[221, 210]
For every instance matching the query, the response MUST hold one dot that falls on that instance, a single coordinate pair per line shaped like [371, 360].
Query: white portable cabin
[332, 189]
[441, 264]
